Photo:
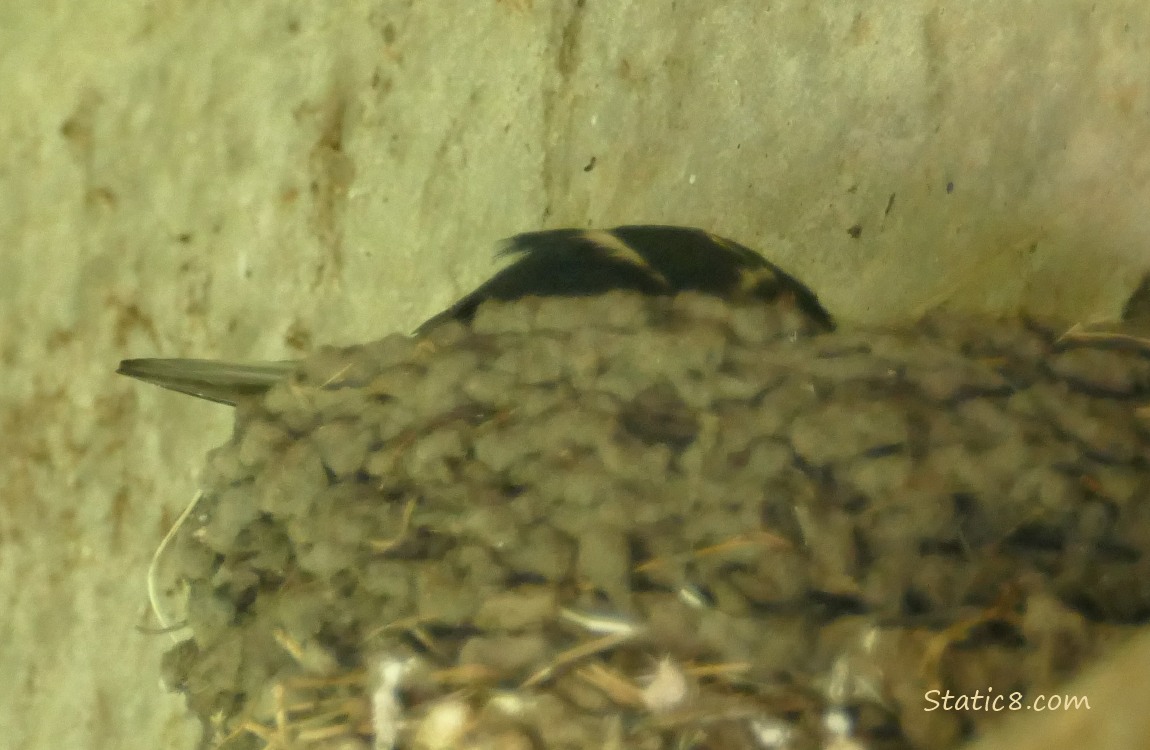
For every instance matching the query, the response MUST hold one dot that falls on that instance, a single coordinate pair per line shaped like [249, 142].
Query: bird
[649, 259]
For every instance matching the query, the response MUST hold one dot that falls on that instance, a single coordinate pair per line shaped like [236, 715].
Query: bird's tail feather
[222, 382]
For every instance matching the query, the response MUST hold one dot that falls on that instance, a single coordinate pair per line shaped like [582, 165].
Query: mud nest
[635, 522]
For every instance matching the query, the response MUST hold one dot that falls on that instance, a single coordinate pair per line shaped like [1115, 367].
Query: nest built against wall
[635, 521]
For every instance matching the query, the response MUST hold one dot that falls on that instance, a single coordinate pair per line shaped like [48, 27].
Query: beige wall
[254, 179]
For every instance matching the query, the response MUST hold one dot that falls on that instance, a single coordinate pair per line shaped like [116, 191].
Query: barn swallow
[655, 260]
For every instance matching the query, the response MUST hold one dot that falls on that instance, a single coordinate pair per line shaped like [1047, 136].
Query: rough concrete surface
[253, 180]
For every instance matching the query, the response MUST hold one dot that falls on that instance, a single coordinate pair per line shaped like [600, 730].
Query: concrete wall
[255, 179]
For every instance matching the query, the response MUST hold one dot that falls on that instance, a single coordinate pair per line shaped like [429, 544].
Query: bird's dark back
[658, 260]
